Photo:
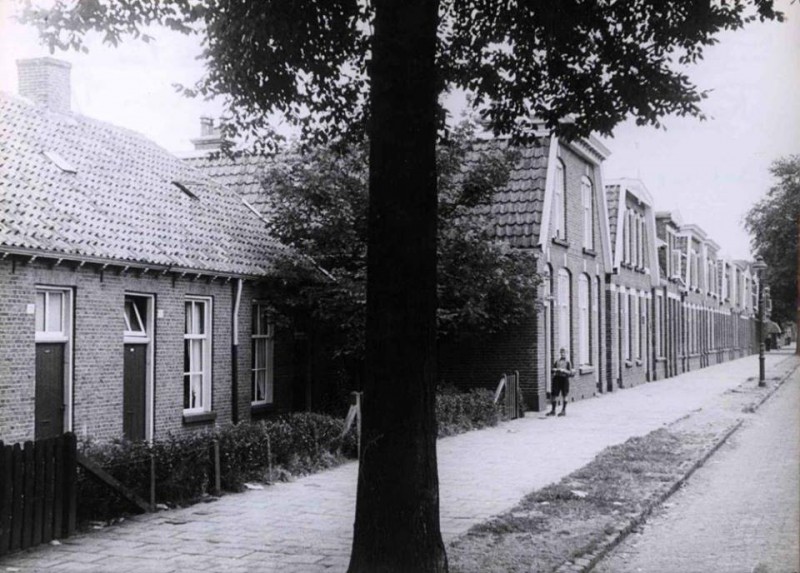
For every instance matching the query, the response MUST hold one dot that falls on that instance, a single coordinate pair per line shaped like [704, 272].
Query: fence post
[27, 502]
[358, 423]
[152, 481]
[269, 457]
[70, 477]
[217, 480]
[6, 482]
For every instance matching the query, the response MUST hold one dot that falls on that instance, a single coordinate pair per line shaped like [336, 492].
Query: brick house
[631, 281]
[130, 282]
[553, 206]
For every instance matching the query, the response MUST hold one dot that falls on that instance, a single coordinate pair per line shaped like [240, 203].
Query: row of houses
[132, 282]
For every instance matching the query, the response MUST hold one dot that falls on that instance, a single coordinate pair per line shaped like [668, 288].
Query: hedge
[265, 451]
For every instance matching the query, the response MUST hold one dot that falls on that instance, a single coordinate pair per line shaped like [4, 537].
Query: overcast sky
[712, 172]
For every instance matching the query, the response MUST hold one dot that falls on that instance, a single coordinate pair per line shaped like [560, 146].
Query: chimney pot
[46, 81]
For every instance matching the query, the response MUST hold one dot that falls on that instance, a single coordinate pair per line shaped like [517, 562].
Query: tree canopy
[343, 69]
[318, 206]
[773, 225]
[593, 63]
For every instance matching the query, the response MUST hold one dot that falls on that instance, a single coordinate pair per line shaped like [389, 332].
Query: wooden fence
[37, 492]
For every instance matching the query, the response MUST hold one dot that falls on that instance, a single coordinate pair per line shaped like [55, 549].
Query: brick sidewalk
[306, 525]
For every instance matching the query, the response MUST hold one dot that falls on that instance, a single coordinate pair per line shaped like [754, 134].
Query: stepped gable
[84, 189]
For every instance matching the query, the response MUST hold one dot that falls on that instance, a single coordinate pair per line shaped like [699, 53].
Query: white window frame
[564, 312]
[587, 194]
[65, 335]
[635, 331]
[206, 372]
[265, 337]
[626, 341]
[584, 321]
[560, 201]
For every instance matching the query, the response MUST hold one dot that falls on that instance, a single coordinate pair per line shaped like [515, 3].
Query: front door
[134, 391]
[49, 415]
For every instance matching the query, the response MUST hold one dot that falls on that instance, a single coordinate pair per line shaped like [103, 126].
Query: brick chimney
[45, 81]
[210, 137]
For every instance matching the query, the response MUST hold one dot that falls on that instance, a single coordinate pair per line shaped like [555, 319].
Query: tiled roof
[517, 209]
[241, 173]
[120, 203]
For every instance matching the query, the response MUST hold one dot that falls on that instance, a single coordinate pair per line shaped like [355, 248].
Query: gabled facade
[131, 285]
[632, 278]
[554, 207]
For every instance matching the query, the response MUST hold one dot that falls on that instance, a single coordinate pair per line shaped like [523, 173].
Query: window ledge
[559, 241]
[628, 364]
[585, 369]
[199, 417]
[590, 252]
[638, 362]
[661, 359]
[260, 409]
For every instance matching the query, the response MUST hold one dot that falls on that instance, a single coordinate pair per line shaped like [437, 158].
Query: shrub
[291, 444]
[458, 412]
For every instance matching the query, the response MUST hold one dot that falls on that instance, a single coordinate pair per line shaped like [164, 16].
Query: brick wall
[97, 339]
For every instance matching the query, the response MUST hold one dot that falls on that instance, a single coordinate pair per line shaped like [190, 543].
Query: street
[739, 513]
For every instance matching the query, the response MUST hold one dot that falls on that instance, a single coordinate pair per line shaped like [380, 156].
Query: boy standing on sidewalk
[562, 371]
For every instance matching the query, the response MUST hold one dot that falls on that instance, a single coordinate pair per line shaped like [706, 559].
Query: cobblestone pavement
[739, 513]
[307, 525]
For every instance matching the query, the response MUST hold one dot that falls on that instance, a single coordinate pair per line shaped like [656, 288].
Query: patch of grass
[569, 520]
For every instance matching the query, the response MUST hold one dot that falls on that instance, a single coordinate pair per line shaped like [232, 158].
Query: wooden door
[49, 409]
[133, 403]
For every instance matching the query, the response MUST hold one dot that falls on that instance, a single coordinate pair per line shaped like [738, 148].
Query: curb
[587, 563]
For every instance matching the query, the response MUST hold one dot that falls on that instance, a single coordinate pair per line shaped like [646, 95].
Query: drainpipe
[235, 354]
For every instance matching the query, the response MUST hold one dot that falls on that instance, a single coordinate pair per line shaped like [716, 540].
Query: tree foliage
[344, 69]
[773, 226]
[318, 206]
[595, 63]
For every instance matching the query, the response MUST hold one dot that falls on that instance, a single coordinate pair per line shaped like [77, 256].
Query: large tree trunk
[397, 510]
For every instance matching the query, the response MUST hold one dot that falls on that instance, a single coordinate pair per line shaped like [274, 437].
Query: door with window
[137, 341]
[53, 317]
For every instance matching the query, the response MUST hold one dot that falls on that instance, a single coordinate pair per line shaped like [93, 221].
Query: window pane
[196, 358]
[196, 391]
[260, 385]
[39, 312]
[187, 328]
[186, 391]
[54, 312]
[198, 318]
[186, 360]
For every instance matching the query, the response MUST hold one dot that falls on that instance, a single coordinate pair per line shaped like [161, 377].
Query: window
[588, 213]
[635, 338]
[263, 349]
[135, 313]
[197, 356]
[52, 314]
[637, 241]
[584, 322]
[625, 334]
[659, 314]
[560, 203]
[642, 240]
[564, 328]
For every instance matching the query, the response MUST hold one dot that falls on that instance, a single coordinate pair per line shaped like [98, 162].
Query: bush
[291, 444]
[275, 449]
[458, 412]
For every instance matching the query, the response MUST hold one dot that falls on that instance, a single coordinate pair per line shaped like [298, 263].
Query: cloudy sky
[712, 172]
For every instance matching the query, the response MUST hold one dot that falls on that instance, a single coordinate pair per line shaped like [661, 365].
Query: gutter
[235, 353]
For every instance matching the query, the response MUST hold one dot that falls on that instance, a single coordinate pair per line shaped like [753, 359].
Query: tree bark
[397, 506]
